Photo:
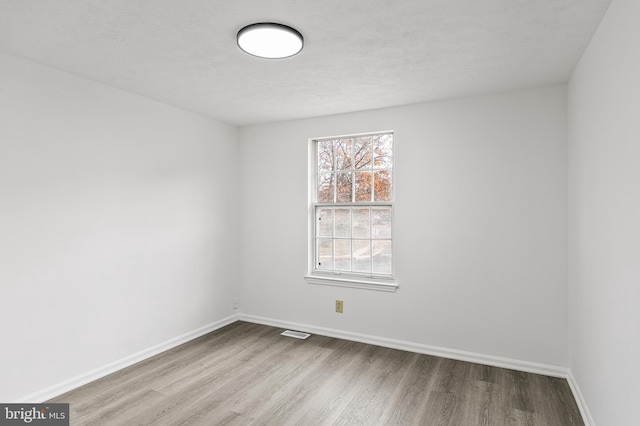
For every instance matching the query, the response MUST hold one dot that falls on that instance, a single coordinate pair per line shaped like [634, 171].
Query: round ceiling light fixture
[270, 40]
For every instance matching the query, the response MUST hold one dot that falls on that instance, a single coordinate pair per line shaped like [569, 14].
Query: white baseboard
[582, 404]
[90, 376]
[512, 364]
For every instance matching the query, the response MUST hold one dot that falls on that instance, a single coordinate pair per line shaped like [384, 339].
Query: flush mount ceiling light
[269, 40]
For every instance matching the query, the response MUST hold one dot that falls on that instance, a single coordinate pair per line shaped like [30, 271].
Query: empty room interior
[444, 194]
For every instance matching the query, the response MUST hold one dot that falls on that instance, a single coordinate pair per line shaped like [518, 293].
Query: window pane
[325, 187]
[353, 228]
[381, 221]
[325, 156]
[363, 186]
[325, 254]
[361, 222]
[382, 185]
[381, 257]
[324, 227]
[343, 255]
[344, 187]
[343, 223]
[383, 151]
[343, 154]
[362, 153]
[361, 256]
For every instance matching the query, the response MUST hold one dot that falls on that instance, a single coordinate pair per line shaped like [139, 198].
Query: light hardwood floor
[247, 374]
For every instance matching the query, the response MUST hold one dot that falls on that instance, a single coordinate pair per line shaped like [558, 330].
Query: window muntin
[353, 210]
[357, 169]
[354, 239]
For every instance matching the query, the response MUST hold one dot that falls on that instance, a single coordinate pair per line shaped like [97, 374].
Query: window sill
[366, 284]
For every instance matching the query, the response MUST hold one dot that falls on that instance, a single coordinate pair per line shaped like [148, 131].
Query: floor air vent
[296, 334]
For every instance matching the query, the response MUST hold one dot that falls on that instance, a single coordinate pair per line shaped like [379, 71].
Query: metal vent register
[296, 334]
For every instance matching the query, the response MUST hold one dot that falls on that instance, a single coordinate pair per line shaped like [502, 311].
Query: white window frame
[346, 279]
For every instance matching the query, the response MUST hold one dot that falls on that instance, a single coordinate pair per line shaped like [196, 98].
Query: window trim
[336, 278]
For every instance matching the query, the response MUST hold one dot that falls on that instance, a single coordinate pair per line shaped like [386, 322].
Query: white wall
[118, 224]
[480, 221]
[604, 218]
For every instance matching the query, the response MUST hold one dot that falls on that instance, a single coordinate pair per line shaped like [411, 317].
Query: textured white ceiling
[358, 55]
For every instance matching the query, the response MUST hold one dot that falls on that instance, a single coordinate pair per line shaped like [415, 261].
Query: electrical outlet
[339, 306]
[235, 303]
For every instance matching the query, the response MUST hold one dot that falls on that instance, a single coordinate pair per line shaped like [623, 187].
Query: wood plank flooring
[247, 374]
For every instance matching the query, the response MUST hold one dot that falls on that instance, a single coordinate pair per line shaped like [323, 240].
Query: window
[351, 213]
